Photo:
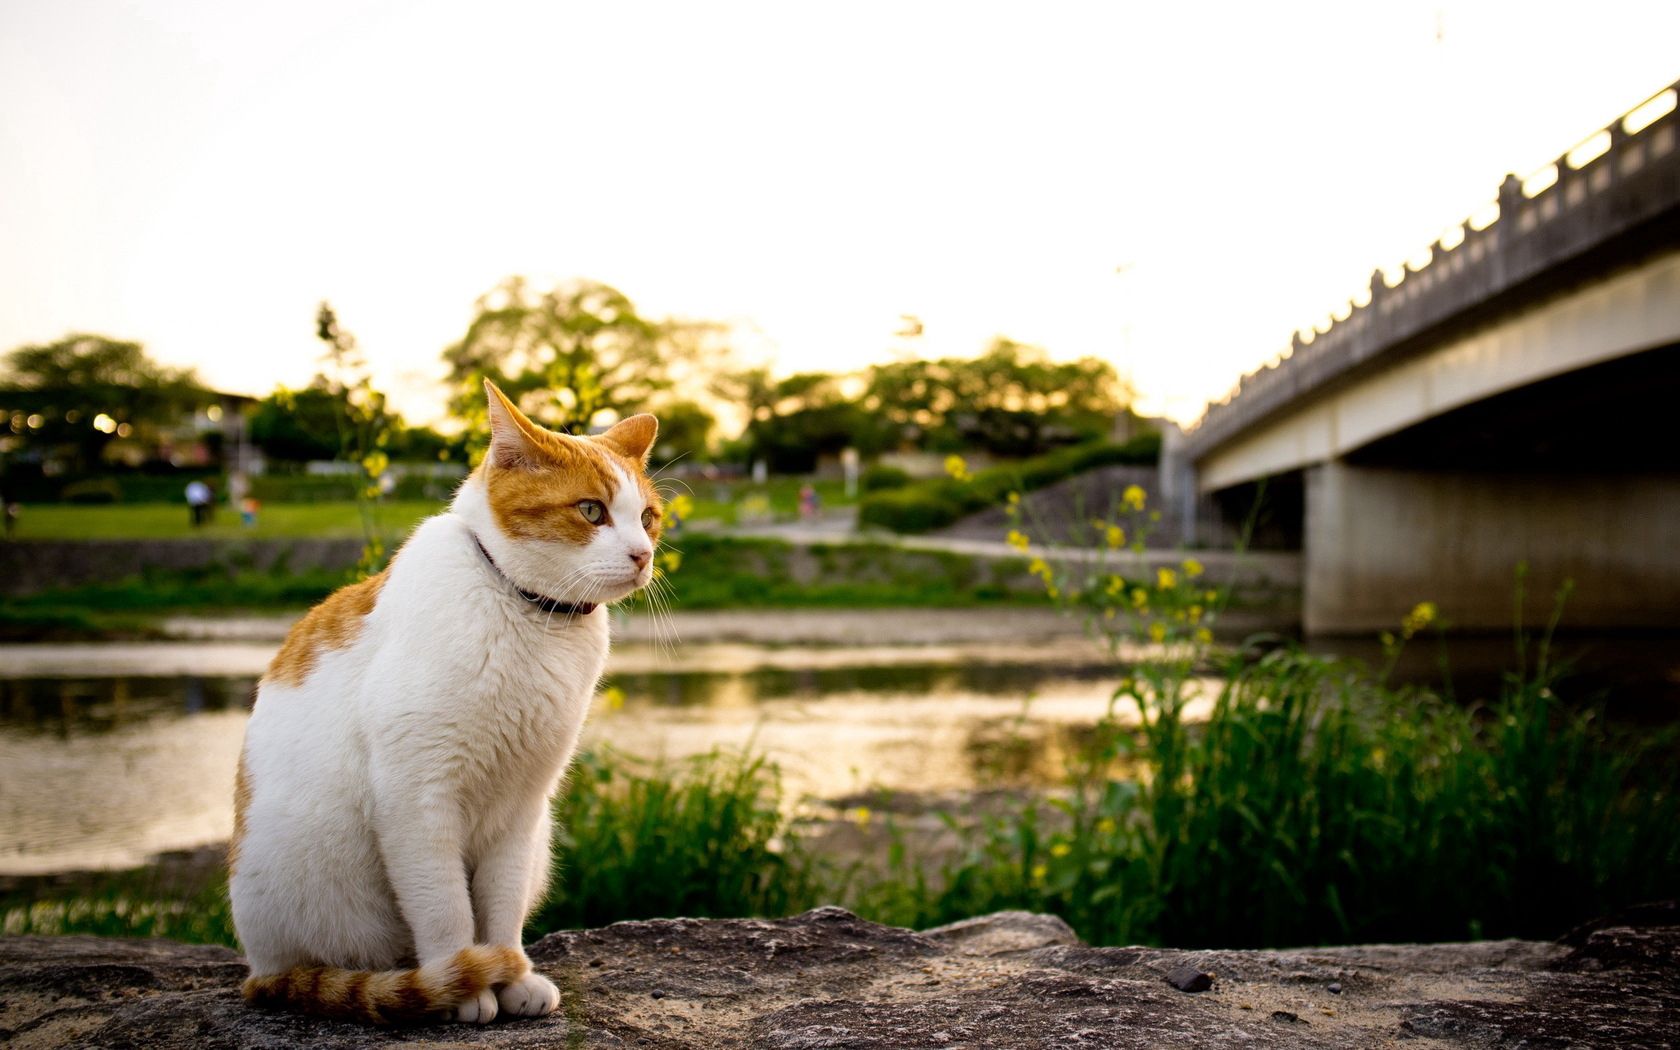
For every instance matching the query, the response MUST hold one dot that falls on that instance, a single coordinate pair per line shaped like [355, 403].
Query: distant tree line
[1011, 401]
[576, 356]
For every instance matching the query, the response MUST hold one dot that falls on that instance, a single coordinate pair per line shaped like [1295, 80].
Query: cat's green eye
[647, 518]
[593, 511]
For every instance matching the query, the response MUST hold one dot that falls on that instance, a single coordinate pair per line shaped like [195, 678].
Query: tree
[81, 391]
[308, 424]
[565, 356]
[685, 429]
[1011, 401]
[794, 421]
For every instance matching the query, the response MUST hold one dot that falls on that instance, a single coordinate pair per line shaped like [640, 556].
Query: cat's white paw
[478, 1010]
[531, 996]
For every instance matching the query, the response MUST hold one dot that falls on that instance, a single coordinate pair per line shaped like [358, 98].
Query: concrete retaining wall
[30, 566]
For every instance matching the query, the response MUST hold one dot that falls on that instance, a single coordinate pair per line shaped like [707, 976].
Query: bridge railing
[1619, 186]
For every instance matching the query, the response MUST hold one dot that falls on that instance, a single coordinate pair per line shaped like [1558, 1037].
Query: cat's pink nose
[641, 558]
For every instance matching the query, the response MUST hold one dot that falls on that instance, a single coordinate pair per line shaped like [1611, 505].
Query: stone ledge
[827, 979]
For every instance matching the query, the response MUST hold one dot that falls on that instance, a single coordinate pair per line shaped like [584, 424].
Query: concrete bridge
[1514, 399]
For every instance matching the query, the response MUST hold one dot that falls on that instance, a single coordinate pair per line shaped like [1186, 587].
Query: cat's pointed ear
[632, 437]
[512, 435]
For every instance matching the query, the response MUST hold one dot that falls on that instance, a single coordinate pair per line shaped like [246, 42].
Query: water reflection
[105, 771]
[65, 707]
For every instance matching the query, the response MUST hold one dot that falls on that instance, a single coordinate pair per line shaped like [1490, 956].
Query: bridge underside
[1576, 477]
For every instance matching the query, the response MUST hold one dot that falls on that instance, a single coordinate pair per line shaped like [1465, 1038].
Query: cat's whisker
[673, 462]
[662, 595]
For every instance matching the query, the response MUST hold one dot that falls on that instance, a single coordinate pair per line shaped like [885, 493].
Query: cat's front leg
[505, 885]
[420, 839]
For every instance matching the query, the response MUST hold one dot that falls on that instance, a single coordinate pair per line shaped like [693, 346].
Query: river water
[111, 753]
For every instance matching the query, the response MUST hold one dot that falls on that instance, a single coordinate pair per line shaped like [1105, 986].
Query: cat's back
[332, 626]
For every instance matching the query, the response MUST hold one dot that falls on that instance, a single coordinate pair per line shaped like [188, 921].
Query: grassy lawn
[155, 521]
[732, 502]
[729, 502]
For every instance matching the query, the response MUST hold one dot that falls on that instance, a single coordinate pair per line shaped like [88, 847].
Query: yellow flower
[1195, 613]
[1108, 613]
[1115, 585]
[375, 463]
[1060, 849]
[1050, 589]
[1014, 500]
[1192, 568]
[1204, 636]
[1133, 497]
[670, 560]
[1421, 616]
[1210, 596]
[1116, 537]
[1038, 567]
[680, 507]
[1166, 579]
[860, 816]
[1157, 631]
[1017, 539]
[956, 467]
[1140, 598]
[614, 697]
[1039, 871]
[1106, 826]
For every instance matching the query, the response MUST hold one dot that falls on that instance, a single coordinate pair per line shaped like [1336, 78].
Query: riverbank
[55, 591]
[827, 978]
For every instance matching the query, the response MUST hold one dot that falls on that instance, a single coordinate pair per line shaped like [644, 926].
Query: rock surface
[827, 979]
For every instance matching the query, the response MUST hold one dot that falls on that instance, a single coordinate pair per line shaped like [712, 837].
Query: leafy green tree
[82, 390]
[795, 421]
[566, 355]
[1011, 401]
[299, 425]
[685, 429]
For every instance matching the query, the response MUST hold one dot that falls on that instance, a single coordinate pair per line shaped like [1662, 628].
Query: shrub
[937, 502]
[640, 840]
[881, 477]
[92, 490]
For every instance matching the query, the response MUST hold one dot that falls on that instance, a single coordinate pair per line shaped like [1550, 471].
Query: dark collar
[543, 602]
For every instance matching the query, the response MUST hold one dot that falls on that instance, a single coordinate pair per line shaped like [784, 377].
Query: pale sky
[199, 175]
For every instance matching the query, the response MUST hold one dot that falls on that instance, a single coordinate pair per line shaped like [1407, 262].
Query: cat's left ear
[632, 437]
[512, 436]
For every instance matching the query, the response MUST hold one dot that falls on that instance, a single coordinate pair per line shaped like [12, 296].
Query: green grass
[156, 521]
[1316, 806]
[125, 904]
[128, 608]
[725, 572]
[717, 572]
[734, 502]
[705, 837]
[726, 502]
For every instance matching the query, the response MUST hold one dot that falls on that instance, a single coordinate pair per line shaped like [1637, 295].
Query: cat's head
[573, 518]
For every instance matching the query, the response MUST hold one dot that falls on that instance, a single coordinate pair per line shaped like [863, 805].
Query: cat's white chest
[530, 707]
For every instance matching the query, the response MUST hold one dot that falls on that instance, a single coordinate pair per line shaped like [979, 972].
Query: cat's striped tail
[389, 996]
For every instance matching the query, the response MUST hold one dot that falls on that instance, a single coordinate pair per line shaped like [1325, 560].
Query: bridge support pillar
[1380, 540]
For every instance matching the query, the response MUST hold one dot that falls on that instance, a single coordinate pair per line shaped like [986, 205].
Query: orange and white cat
[392, 807]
